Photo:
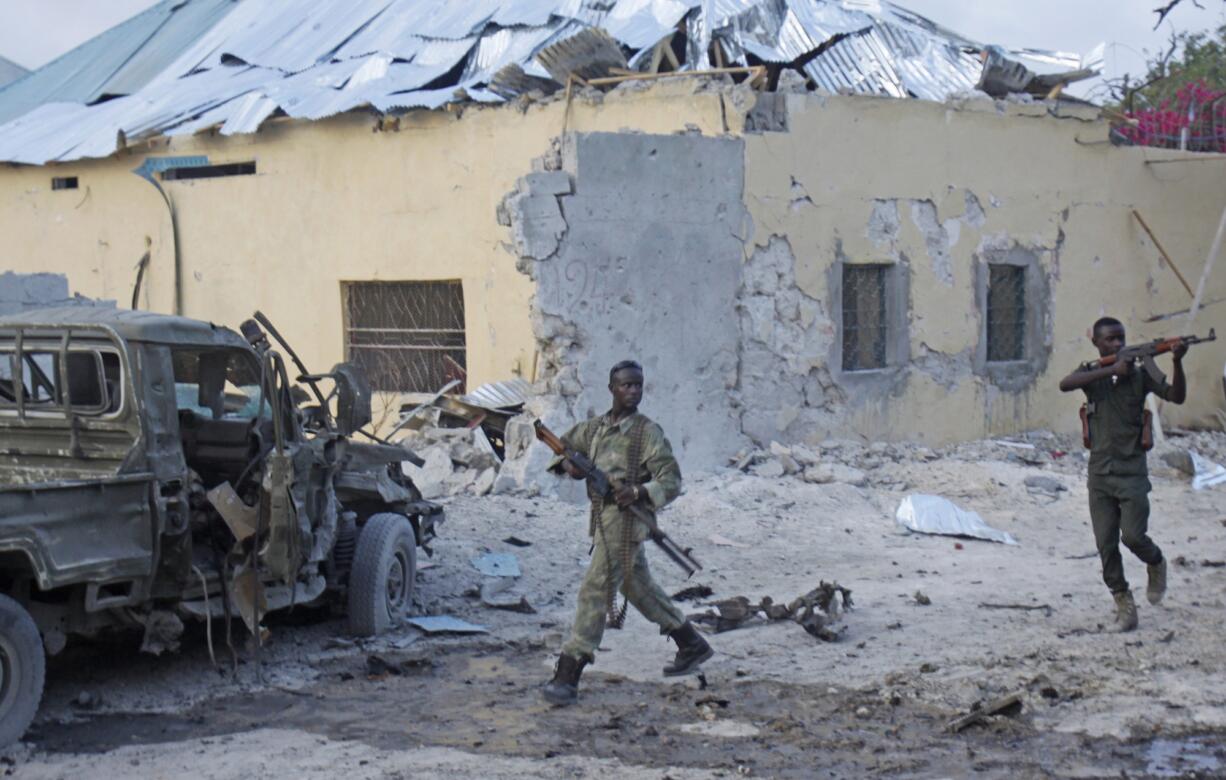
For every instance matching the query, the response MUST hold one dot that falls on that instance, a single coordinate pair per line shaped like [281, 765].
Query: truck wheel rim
[8, 675]
[397, 584]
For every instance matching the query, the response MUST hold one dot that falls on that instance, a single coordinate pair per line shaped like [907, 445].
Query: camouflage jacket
[607, 444]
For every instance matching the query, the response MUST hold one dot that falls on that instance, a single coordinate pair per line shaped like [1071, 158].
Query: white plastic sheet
[1206, 472]
[927, 514]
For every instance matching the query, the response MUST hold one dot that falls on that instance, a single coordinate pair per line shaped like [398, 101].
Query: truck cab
[156, 469]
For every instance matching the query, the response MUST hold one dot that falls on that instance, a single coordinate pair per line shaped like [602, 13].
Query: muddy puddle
[486, 700]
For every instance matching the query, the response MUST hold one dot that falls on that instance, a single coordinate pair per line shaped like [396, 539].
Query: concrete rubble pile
[457, 460]
[858, 464]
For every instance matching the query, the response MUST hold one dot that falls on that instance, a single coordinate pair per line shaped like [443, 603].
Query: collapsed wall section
[636, 243]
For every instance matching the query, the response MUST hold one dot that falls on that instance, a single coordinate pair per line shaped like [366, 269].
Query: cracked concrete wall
[636, 247]
[939, 191]
[828, 185]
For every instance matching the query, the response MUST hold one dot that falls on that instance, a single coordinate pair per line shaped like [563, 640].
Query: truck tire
[23, 665]
[381, 580]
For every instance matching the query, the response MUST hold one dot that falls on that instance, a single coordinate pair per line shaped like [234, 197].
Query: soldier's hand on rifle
[1179, 350]
[1122, 367]
[626, 495]
[572, 469]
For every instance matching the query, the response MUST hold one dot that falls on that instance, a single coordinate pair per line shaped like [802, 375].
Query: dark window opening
[407, 336]
[94, 382]
[63, 182]
[209, 171]
[1006, 313]
[864, 317]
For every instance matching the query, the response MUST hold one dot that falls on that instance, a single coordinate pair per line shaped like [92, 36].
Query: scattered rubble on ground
[815, 611]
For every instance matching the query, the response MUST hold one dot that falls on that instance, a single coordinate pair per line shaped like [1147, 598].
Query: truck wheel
[22, 666]
[381, 580]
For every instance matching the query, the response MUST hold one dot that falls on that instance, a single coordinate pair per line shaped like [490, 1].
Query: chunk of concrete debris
[927, 514]
[485, 482]
[784, 455]
[769, 469]
[1044, 485]
[804, 456]
[494, 594]
[432, 478]
[825, 473]
[1180, 460]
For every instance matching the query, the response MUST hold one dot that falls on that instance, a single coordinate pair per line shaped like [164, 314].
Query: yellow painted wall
[341, 199]
[335, 200]
[1035, 177]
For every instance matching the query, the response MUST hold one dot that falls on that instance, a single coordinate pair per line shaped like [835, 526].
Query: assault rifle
[605, 487]
[1145, 353]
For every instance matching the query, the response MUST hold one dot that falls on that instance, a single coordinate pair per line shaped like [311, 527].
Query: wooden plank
[1162, 252]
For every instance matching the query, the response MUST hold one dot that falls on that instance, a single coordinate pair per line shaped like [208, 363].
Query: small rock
[1179, 460]
[485, 482]
[770, 468]
[803, 455]
[922, 599]
[790, 466]
[824, 473]
[779, 450]
[1039, 483]
[928, 668]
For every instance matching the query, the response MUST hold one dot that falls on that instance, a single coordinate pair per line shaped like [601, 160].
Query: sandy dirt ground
[774, 702]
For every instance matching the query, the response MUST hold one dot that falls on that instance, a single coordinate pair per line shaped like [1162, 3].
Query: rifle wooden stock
[677, 554]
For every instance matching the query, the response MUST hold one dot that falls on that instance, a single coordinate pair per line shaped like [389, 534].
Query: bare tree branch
[1164, 10]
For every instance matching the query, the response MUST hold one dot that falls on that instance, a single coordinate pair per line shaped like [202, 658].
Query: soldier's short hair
[1105, 322]
[622, 366]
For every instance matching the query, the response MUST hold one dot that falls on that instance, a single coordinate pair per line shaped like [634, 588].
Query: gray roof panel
[188, 65]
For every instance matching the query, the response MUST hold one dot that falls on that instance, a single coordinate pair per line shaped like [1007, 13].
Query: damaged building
[808, 218]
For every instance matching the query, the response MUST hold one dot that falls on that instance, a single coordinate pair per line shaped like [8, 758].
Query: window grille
[407, 336]
[864, 317]
[1006, 312]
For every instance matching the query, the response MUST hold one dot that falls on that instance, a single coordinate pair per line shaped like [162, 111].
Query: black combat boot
[563, 689]
[692, 650]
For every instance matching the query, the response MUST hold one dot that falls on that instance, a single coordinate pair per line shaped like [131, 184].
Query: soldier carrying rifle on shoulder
[631, 474]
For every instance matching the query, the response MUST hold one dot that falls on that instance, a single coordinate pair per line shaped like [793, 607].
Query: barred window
[864, 317]
[407, 336]
[1006, 313]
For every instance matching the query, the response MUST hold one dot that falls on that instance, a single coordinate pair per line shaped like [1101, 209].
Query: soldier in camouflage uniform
[1119, 479]
[613, 440]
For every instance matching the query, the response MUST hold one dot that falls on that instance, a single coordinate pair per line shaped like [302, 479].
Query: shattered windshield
[241, 387]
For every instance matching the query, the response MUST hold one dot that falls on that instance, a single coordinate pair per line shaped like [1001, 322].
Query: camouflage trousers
[639, 588]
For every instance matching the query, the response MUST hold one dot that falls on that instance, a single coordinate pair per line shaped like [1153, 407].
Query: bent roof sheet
[120, 61]
[188, 65]
[10, 71]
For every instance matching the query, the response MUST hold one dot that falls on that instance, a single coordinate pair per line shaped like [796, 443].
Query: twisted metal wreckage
[185, 66]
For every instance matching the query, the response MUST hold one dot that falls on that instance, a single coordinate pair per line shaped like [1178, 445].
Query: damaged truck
[156, 469]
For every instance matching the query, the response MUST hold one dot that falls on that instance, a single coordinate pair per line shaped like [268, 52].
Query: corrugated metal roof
[119, 61]
[500, 395]
[188, 65]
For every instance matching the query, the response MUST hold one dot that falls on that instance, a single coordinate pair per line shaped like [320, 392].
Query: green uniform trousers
[1119, 511]
[639, 588]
